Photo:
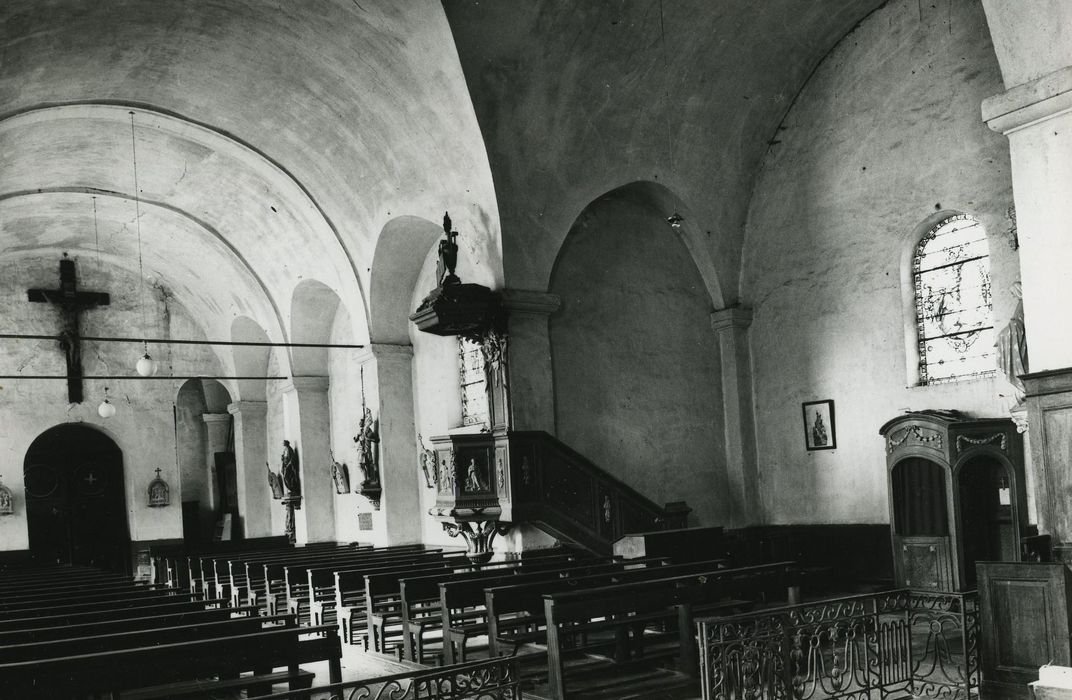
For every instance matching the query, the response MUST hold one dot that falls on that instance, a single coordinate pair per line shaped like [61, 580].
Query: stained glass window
[951, 272]
[474, 396]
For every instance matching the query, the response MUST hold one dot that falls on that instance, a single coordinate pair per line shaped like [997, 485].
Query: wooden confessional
[956, 496]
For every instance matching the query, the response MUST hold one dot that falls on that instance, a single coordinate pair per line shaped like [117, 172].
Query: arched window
[951, 277]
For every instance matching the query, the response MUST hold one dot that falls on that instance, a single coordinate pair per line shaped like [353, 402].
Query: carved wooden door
[75, 501]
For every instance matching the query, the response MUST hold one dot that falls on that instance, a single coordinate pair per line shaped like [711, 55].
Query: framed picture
[819, 425]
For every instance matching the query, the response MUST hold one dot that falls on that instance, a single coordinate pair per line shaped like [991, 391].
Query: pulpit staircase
[514, 477]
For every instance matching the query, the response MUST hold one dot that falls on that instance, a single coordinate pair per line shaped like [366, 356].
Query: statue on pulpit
[367, 440]
[340, 474]
[1011, 346]
[289, 471]
[448, 255]
[428, 464]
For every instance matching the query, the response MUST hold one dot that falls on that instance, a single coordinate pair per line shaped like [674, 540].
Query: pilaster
[731, 325]
[529, 367]
[388, 370]
[251, 440]
[306, 419]
[217, 430]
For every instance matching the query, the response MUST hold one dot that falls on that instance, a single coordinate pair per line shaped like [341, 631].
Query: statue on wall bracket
[340, 475]
[368, 457]
[291, 480]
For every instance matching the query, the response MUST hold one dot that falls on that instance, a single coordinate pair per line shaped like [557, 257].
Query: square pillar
[306, 422]
[532, 395]
[1049, 417]
[732, 325]
[388, 370]
[217, 430]
[254, 496]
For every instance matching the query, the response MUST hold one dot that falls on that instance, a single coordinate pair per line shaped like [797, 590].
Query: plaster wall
[884, 136]
[636, 362]
[143, 426]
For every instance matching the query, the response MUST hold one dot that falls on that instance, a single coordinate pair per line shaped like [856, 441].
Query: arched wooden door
[75, 500]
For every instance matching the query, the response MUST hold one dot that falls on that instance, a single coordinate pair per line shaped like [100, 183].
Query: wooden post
[689, 660]
[556, 681]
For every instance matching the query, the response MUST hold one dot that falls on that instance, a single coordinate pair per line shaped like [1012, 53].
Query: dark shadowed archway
[75, 498]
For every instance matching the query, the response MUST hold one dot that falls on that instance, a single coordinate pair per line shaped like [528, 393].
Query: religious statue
[818, 430]
[1011, 345]
[472, 477]
[275, 482]
[340, 474]
[367, 440]
[427, 461]
[289, 471]
[493, 348]
[448, 255]
[159, 492]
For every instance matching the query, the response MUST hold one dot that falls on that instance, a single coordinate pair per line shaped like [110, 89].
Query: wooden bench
[307, 583]
[422, 597]
[168, 561]
[514, 612]
[75, 617]
[378, 595]
[236, 575]
[625, 610]
[216, 570]
[179, 662]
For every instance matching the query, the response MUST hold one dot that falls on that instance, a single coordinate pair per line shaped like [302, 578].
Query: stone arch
[662, 201]
[312, 314]
[203, 429]
[636, 365]
[401, 250]
[249, 360]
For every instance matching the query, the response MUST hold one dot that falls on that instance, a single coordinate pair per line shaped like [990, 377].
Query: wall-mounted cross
[72, 303]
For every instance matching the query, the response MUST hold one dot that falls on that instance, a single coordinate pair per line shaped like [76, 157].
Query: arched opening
[987, 518]
[206, 458]
[921, 522]
[637, 369]
[75, 499]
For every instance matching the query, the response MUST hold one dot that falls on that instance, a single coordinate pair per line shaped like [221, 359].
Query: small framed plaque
[819, 425]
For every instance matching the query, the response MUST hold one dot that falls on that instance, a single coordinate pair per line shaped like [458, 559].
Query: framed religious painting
[819, 425]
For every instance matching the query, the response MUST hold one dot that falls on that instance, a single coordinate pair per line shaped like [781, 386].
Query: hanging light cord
[666, 90]
[137, 221]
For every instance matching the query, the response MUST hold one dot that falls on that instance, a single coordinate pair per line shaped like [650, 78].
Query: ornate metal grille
[897, 643]
[473, 381]
[495, 679]
[951, 274]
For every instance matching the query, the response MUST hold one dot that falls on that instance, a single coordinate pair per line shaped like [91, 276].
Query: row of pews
[73, 632]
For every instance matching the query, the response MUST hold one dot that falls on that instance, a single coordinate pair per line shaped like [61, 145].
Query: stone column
[389, 382]
[251, 441]
[306, 421]
[532, 389]
[217, 430]
[1035, 113]
[732, 325]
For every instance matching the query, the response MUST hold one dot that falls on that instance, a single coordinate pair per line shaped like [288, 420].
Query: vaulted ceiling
[280, 142]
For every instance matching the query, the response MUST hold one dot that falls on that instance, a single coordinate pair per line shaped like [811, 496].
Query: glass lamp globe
[146, 366]
[106, 409]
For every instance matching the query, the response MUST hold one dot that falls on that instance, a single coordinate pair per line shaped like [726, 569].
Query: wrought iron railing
[494, 679]
[875, 646]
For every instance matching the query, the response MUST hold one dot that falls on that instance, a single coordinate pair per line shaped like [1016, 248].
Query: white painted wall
[885, 133]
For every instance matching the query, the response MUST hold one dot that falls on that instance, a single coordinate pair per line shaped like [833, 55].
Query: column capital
[529, 301]
[1030, 103]
[216, 417]
[734, 317]
[248, 408]
[385, 352]
[306, 384]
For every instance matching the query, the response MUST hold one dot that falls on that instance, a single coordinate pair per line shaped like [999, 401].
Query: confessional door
[923, 556]
[987, 528]
[75, 499]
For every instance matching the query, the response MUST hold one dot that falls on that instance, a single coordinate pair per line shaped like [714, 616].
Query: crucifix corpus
[71, 303]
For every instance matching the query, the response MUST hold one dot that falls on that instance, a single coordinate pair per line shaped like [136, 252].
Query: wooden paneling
[1025, 623]
[924, 562]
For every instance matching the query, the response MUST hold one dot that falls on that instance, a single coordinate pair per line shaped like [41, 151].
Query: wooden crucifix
[72, 303]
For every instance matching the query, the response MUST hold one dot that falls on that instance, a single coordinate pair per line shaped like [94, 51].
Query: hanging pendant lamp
[146, 365]
[106, 408]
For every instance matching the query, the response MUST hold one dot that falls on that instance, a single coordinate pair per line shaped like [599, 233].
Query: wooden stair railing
[488, 481]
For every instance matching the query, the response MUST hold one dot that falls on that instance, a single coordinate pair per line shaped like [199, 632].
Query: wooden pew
[113, 625]
[514, 612]
[320, 584]
[87, 596]
[167, 562]
[67, 606]
[625, 609]
[306, 582]
[69, 617]
[215, 570]
[178, 662]
[235, 572]
[423, 596]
